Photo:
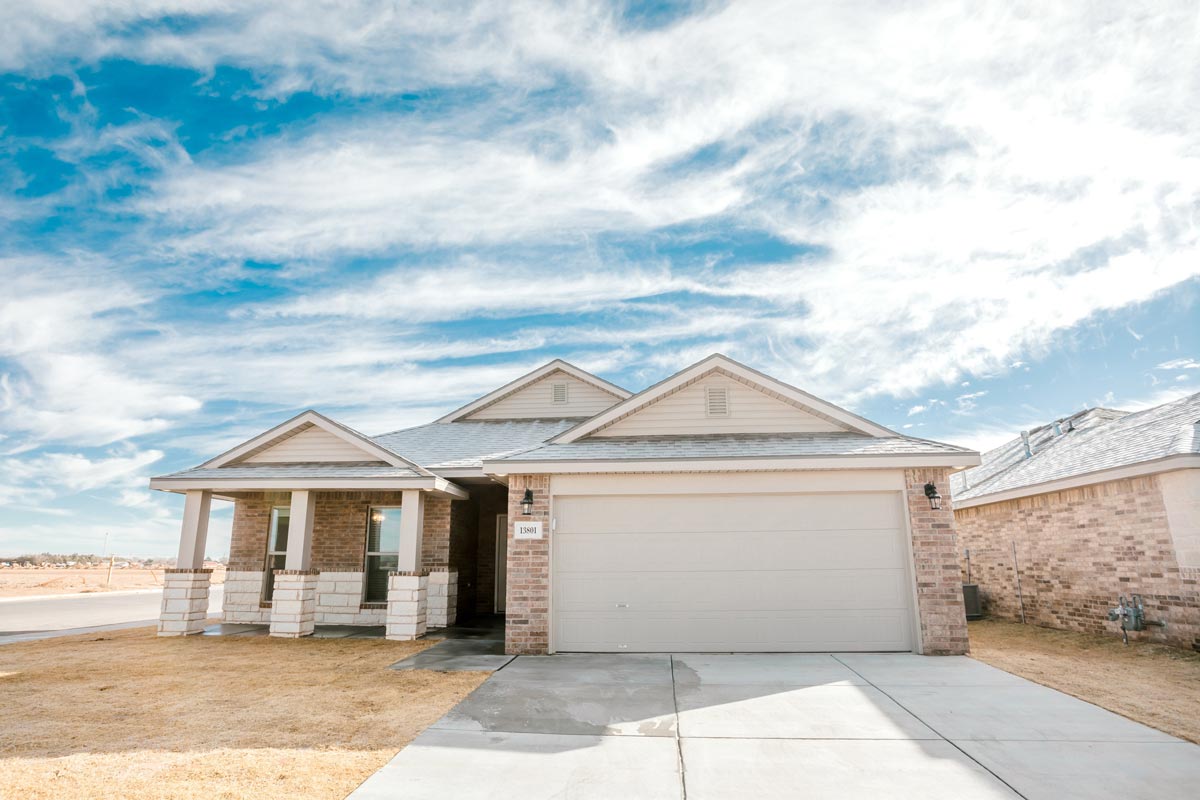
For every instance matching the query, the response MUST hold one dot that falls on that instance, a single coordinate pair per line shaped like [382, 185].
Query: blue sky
[957, 219]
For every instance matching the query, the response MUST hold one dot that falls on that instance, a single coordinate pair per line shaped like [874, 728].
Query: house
[1098, 505]
[718, 510]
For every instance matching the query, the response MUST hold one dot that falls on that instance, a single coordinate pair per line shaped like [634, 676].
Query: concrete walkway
[779, 726]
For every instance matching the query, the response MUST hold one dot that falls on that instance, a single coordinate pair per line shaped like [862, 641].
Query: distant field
[30, 582]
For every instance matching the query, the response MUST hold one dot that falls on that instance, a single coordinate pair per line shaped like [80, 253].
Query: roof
[314, 470]
[446, 445]
[1090, 441]
[737, 445]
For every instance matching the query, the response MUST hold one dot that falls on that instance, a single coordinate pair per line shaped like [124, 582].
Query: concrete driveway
[780, 726]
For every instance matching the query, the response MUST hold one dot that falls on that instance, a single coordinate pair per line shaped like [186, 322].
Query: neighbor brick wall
[527, 616]
[935, 557]
[1077, 551]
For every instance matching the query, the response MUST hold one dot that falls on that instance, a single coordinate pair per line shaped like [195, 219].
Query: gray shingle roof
[1102, 439]
[744, 445]
[465, 444]
[301, 470]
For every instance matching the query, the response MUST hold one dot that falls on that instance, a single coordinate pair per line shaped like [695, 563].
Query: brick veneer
[338, 549]
[527, 615]
[1078, 550]
[935, 557]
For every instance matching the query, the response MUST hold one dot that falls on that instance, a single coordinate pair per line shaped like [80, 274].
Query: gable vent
[716, 401]
[558, 392]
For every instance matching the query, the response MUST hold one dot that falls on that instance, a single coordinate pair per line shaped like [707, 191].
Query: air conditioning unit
[971, 601]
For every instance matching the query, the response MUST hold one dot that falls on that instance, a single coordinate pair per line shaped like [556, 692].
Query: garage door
[778, 572]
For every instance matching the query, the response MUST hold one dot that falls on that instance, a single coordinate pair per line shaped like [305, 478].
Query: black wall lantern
[527, 503]
[935, 499]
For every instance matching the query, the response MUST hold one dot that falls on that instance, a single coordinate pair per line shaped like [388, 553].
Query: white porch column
[194, 535]
[300, 531]
[294, 600]
[408, 584]
[185, 588]
[412, 525]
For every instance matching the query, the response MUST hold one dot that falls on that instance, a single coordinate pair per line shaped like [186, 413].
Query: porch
[305, 562]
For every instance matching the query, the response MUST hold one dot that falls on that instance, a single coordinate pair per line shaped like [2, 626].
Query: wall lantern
[935, 499]
[527, 503]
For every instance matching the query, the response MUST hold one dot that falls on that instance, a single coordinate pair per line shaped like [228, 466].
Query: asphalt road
[39, 617]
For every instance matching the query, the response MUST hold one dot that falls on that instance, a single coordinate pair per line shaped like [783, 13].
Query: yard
[1156, 685]
[127, 714]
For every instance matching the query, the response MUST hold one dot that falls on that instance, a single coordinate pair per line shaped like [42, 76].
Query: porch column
[294, 601]
[408, 585]
[185, 588]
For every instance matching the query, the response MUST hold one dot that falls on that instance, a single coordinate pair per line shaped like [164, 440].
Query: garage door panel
[877, 630]
[729, 513]
[749, 592]
[826, 549]
[757, 573]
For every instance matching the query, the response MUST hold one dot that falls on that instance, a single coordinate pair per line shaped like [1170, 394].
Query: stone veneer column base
[294, 603]
[443, 597]
[407, 605]
[185, 602]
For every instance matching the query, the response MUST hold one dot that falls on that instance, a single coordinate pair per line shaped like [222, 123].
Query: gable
[718, 403]
[556, 395]
[308, 445]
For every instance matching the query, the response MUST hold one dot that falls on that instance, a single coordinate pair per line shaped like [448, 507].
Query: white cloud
[917, 409]
[1180, 363]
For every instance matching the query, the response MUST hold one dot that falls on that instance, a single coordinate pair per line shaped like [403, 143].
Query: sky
[956, 219]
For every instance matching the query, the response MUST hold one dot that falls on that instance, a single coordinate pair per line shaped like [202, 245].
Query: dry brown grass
[30, 582]
[1153, 684]
[126, 714]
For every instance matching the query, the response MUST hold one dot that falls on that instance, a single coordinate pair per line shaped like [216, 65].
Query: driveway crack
[953, 744]
[678, 739]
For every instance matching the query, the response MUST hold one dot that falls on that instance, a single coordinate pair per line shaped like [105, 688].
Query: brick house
[719, 510]
[1099, 504]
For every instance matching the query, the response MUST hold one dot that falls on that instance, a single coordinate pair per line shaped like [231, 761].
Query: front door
[501, 561]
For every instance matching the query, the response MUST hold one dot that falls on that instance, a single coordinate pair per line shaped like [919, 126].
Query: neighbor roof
[1102, 439]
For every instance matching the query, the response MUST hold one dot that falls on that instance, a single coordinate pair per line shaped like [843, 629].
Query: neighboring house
[1099, 504]
[718, 510]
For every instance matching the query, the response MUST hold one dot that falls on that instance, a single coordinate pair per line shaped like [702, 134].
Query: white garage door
[778, 572]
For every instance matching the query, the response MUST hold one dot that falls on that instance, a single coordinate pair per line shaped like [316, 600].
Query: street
[26, 618]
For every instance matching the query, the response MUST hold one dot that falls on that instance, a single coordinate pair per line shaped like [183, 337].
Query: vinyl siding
[310, 446]
[750, 411]
[535, 401]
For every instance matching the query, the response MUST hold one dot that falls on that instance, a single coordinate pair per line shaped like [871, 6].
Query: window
[277, 538]
[383, 552]
[716, 401]
[558, 392]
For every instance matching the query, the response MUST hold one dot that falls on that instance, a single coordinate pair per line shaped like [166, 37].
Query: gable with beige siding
[538, 400]
[309, 446]
[749, 410]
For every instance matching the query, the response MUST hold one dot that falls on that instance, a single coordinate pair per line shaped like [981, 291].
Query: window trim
[367, 553]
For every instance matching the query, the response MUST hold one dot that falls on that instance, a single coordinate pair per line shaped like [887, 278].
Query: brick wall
[527, 622]
[935, 557]
[435, 539]
[1077, 551]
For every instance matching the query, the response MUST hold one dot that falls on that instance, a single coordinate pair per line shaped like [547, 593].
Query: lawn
[126, 714]
[1153, 684]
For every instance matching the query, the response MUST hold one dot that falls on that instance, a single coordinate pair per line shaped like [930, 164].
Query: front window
[383, 552]
[276, 548]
